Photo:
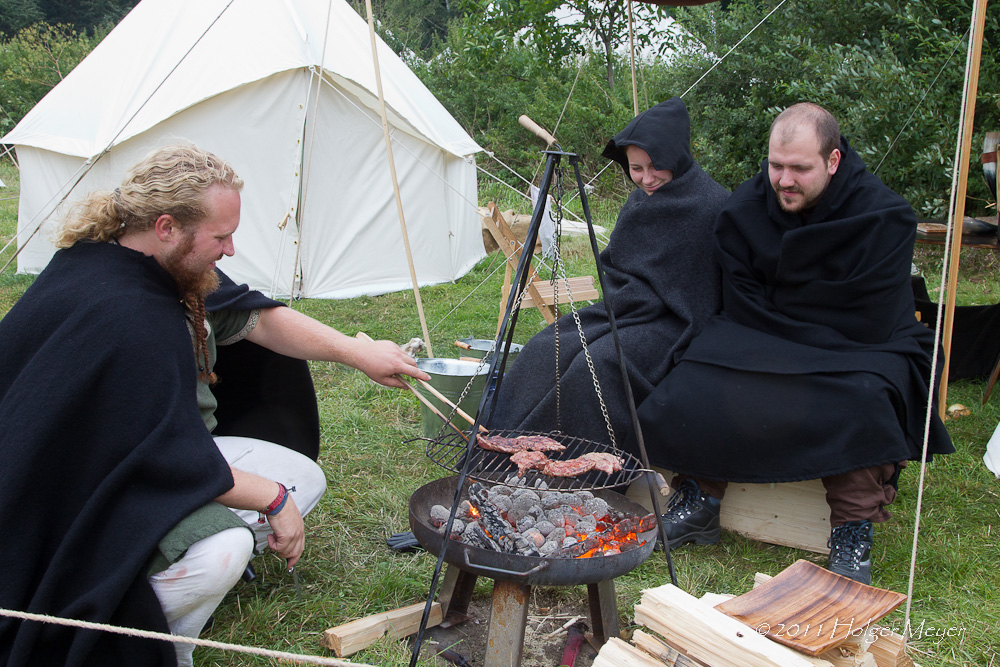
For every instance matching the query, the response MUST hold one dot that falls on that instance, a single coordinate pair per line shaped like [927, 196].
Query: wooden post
[395, 182]
[958, 206]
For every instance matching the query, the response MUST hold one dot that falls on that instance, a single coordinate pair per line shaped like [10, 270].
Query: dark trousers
[858, 495]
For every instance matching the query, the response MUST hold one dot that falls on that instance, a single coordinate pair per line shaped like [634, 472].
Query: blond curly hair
[171, 180]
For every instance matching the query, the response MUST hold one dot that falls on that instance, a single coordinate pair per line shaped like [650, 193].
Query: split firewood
[349, 638]
[710, 636]
[619, 653]
[661, 650]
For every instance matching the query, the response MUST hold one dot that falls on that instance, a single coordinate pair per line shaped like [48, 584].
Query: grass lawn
[347, 571]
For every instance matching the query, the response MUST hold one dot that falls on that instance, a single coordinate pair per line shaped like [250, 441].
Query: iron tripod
[504, 339]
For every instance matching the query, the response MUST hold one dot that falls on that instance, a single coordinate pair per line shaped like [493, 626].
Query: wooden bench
[541, 293]
[792, 514]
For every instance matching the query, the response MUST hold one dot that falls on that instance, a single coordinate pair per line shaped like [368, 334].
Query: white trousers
[191, 589]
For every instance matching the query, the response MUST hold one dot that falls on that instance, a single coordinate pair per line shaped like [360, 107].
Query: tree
[85, 15]
[882, 68]
[34, 61]
[17, 14]
[562, 29]
[419, 27]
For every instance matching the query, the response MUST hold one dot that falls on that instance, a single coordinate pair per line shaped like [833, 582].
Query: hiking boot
[691, 516]
[850, 551]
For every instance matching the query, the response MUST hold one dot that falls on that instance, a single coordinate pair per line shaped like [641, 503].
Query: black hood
[663, 131]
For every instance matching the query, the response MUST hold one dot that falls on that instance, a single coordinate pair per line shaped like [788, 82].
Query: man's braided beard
[189, 282]
[193, 286]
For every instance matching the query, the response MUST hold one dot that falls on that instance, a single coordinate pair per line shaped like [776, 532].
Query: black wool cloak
[816, 365]
[103, 451]
[662, 285]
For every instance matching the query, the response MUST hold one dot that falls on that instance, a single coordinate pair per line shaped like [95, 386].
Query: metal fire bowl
[528, 570]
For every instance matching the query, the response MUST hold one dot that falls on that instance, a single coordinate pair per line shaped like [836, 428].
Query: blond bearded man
[139, 517]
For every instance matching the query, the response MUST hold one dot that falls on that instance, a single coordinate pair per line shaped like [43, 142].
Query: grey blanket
[662, 286]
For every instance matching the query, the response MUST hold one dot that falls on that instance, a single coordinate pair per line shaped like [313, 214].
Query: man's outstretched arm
[293, 334]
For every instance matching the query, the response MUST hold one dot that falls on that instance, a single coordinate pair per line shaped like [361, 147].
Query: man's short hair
[171, 180]
[816, 117]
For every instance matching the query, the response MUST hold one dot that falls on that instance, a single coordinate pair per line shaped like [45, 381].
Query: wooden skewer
[442, 397]
[423, 399]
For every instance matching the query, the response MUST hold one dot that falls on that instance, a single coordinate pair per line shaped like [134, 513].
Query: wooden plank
[792, 514]
[708, 635]
[887, 648]
[713, 599]
[349, 638]
[842, 657]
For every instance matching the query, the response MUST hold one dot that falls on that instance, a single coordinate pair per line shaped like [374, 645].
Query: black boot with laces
[850, 551]
[691, 516]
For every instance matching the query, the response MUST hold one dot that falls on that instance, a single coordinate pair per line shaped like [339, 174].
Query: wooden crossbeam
[581, 287]
[511, 248]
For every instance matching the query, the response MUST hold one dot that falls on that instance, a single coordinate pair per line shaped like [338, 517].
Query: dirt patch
[545, 636]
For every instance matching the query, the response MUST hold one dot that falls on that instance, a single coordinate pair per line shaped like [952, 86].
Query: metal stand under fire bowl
[514, 575]
[509, 613]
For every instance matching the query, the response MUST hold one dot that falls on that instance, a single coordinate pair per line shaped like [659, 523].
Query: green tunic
[226, 327]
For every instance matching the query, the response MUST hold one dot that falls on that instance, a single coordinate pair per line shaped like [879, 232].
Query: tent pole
[631, 53]
[966, 124]
[297, 272]
[395, 182]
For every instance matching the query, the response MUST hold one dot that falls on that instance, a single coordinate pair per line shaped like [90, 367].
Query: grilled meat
[527, 460]
[521, 443]
[568, 468]
[605, 462]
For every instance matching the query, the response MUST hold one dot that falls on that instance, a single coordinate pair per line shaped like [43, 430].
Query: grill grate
[487, 466]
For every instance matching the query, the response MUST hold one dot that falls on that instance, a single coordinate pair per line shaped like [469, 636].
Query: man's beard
[189, 281]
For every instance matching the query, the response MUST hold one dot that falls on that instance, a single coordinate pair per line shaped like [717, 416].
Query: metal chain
[556, 263]
[559, 273]
[590, 361]
[482, 362]
[560, 267]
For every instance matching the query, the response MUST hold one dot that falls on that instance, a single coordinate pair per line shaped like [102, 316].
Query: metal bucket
[478, 347]
[451, 377]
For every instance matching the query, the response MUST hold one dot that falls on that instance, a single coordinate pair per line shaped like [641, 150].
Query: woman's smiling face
[643, 173]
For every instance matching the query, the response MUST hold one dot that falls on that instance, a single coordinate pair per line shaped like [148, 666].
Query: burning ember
[539, 522]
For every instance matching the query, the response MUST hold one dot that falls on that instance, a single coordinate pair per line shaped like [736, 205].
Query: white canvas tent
[285, 90]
